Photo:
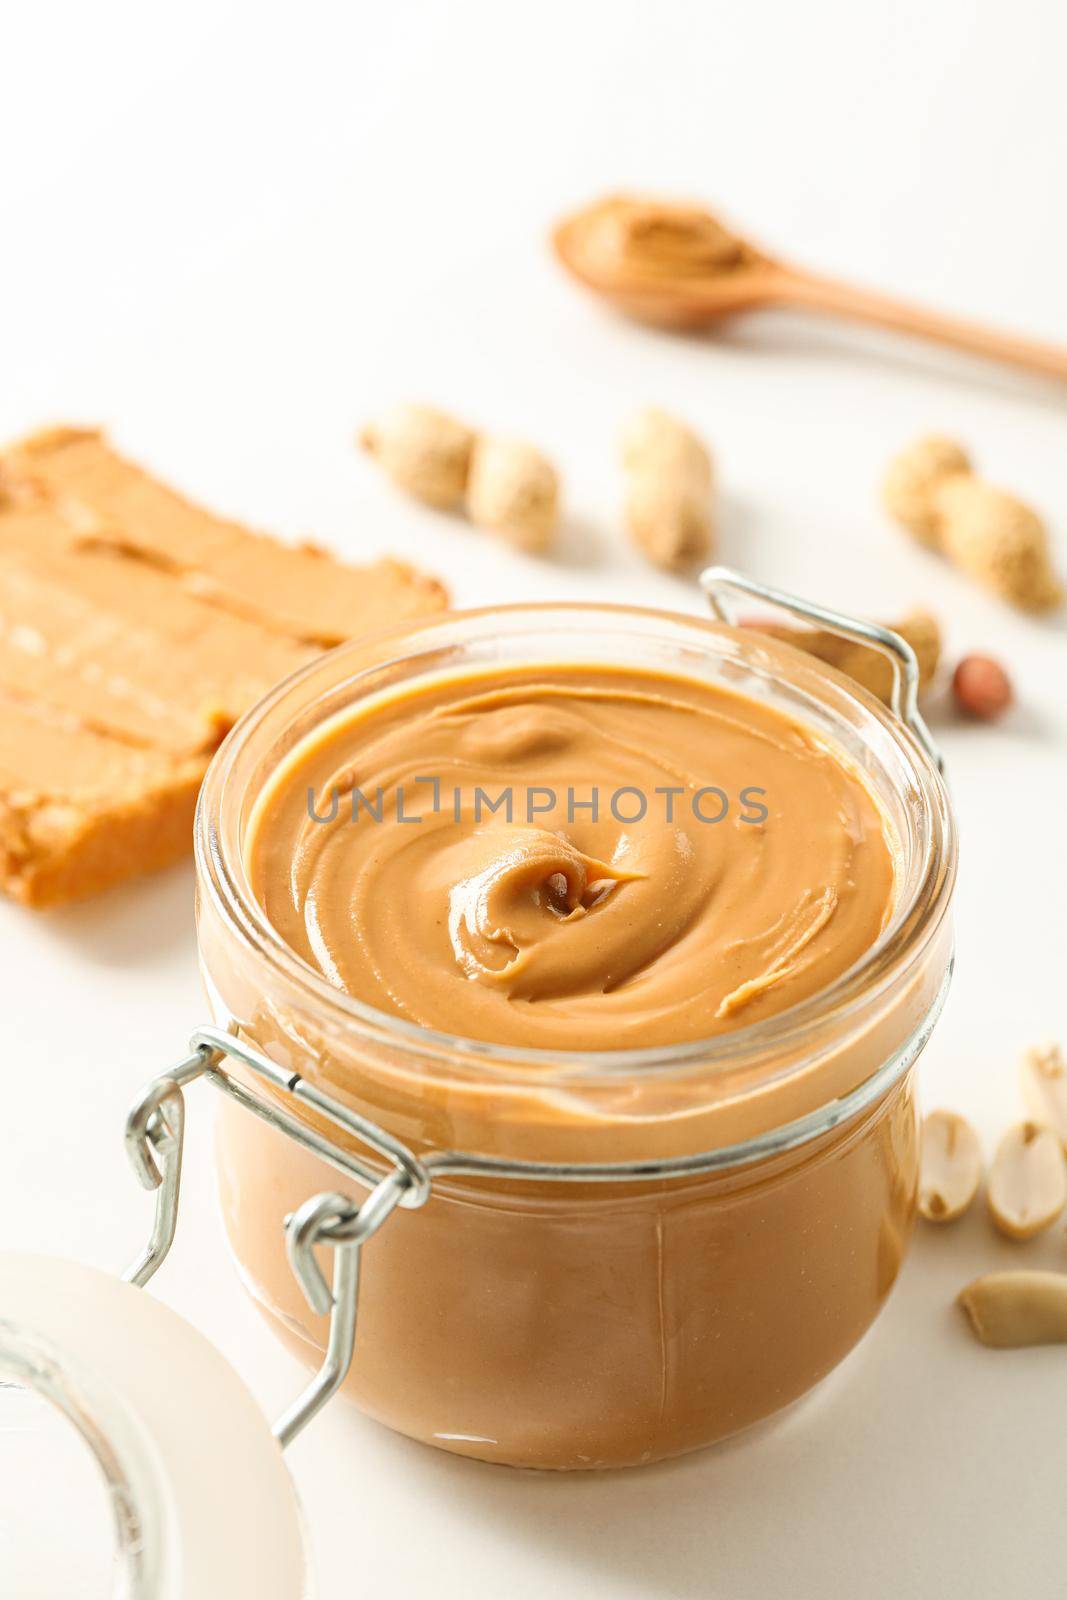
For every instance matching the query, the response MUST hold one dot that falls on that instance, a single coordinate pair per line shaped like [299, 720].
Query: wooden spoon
[677, 266]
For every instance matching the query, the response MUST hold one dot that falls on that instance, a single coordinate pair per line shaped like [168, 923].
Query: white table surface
[232, 232]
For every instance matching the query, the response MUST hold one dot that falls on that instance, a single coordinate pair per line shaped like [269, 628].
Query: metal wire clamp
[155, 1137]
[904, 695]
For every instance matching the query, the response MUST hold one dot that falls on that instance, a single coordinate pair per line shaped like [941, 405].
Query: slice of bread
[135, 628]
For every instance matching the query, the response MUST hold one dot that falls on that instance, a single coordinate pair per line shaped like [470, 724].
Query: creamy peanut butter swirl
[572, 858]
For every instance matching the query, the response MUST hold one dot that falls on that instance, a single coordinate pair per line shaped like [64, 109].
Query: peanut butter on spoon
[677, 265]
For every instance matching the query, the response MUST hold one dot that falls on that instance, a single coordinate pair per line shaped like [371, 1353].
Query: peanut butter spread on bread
[135, 628]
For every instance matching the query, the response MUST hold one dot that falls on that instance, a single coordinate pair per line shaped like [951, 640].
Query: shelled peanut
[1027, 1188]
[950, 1169]
[1027, 1180]
[1026, 1193]
[1044, 1079]
[1009, 1310]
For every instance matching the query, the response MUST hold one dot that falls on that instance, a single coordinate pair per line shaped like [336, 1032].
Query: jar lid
[200, 1498]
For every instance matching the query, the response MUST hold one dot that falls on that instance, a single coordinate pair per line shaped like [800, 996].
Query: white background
[231, 233]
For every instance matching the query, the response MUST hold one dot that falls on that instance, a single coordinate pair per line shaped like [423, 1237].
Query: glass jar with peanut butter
[609, 938]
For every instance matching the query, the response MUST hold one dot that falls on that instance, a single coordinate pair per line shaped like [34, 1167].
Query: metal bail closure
[331, 1219]
[155, 1130]
[904, 700]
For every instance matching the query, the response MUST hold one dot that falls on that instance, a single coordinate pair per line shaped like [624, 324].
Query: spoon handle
[865, 305]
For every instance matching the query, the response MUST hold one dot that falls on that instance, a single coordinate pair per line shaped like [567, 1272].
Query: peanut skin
[982, 688]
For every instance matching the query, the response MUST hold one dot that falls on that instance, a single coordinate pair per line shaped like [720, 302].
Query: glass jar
[583, 1323]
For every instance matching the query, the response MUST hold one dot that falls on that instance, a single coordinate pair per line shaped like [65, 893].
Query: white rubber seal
[204, 1504]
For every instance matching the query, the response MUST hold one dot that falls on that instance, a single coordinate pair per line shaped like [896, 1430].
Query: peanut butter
[572, 859]
[738, 863]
